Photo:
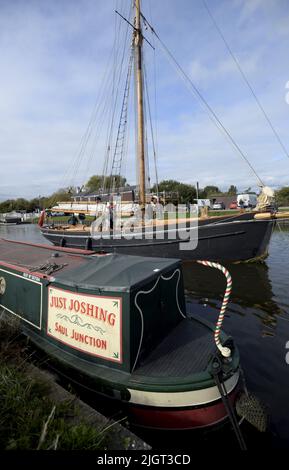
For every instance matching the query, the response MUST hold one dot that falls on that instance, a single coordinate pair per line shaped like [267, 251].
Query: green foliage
[15, 205]
[60, 195]
[80, 437]
[282, 196]
[25, 406]
[30, 418]
[95, 182]
[232, 191]
[211, 190]
[183, 193]
[7, 205]
[22, 409]
[40, 202]
[186, 192]
[36, 203]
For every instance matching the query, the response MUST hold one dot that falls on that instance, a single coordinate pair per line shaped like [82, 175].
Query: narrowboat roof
[82, 268]
[115, 271]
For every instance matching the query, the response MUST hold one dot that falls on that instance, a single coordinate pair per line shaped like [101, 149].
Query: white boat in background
[11, 218]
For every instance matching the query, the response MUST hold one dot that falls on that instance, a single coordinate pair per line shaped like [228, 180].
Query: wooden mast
[139, 100]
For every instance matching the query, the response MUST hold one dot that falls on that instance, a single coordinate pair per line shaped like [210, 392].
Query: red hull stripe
[180, 419]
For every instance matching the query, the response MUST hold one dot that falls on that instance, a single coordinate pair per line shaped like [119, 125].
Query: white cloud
[283, 26]
[199, 72]
[53, 56]
[248, 7]
[224, 69]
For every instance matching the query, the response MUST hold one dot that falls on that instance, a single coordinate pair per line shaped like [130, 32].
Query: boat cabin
[107, 309]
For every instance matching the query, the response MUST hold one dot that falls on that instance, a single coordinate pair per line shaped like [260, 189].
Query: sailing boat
[241, 237]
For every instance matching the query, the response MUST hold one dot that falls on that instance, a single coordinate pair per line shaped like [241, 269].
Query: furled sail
[265, 199]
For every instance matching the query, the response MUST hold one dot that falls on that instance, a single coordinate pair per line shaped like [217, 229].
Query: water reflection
[23, 232]
[252, 292]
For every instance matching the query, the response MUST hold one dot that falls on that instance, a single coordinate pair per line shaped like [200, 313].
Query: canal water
[258, 320]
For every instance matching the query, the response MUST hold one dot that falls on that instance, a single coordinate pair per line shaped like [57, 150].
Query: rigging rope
[110, 134]
[102, 100]
[151, 129]
[246, 79]
[100, 109]
[114, 96]
[121, 133]
[212, 115]
[155, 101]
[145, 103]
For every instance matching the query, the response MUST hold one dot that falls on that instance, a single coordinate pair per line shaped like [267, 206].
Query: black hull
[226, 241]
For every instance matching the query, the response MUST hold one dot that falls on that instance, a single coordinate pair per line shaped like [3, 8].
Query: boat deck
[185, 351]
[154, 223]
[32, 256]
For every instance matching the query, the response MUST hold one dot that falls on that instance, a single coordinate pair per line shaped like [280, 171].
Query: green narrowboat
[121, 322]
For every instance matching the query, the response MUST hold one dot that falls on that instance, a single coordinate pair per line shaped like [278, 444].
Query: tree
[50, 201]
[186, 192]
[211, 190]
[232, 191]
[34, 204]
[95, 182]
[282, 196]
[7, 206]
[19, 204]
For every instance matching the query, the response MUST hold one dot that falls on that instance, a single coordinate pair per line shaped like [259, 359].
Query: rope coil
[226, 352]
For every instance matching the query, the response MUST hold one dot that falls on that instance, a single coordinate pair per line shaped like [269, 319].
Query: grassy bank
[30, 417]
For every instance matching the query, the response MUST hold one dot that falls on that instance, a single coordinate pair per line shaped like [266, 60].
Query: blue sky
[54, 54]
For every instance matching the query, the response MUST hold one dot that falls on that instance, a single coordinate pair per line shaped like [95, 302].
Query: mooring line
[226, 352]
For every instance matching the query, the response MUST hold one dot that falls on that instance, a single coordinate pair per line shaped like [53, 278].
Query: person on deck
[154, 201]
[81, 218]
[73, 220]
[111, 216]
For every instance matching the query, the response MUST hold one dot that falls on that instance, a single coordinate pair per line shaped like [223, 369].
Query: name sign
[89, 323]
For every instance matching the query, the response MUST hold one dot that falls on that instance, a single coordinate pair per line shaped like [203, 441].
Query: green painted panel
[22, 296]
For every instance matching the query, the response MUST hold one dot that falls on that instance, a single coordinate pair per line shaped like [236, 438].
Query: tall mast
[138, 38]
